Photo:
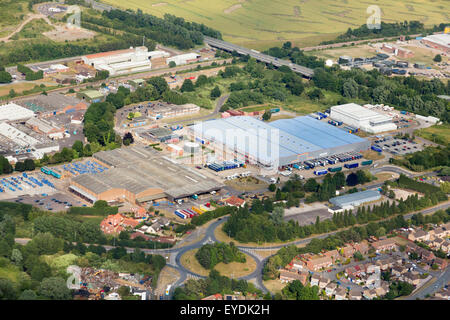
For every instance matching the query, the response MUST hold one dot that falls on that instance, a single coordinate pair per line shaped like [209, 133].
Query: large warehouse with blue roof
[278, 143]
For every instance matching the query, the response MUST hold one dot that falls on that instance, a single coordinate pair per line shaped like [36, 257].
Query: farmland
[261, 24]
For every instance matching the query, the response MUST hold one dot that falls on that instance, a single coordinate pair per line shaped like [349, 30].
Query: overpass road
[223, 45]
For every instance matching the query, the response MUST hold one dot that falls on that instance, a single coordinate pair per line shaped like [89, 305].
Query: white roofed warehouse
[275, 144]
[363, 118]
[14, 112]
[121, 61]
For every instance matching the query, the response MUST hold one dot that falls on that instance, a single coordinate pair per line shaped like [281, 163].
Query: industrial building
[159, 110]
[121, 61]
[139, 175]
[276, 144]
[14, 112]
[184, 58]
[91, 96]
[45, 127]
[53, 104]
[438, 41]
[159, 134]
[351, 200]
[362, 118]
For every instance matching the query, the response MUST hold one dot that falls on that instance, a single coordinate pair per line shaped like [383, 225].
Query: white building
[438, 41]
[429, 119]
[158, 54]
[14, 112]
[184, 58]
[19, 137]
[363, 118]
[121, 61]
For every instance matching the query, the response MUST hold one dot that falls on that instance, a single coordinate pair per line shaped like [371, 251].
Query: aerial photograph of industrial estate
[226, 150]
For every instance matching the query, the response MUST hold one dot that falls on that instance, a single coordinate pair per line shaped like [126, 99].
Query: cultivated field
[264, 23]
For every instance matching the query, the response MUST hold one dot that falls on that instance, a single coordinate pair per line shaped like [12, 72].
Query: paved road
[441, 281]
[227, 46]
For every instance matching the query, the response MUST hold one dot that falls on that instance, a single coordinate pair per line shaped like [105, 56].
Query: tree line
[214, 284]
[386, 30]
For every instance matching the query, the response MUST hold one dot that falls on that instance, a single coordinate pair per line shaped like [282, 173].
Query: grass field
[265, 23]
[438, 133]
[12, 13]
[234, 269]
[33, 29]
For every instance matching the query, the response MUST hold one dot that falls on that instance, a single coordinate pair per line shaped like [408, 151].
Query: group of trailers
[347, 165]
[190, 213]
[226, 165]
[318, 115]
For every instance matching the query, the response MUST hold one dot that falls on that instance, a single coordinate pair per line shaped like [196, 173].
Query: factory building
[349, 201]
[53, 104]
[279, 143]
[363, 118]
[438, 41]
[91, 96]
[139, 175]
[159, 110]
[45, 127]
[14, 112]
[121, 61]
[184, 58]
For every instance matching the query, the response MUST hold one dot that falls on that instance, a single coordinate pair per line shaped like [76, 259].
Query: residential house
[288, 276]
[319, 263]
[398, 270]
[385, 263]
[340, 294]
[384, 245]
[234, 202]
[216, 296]
[315, 279]
[355, 294]
[116, 223]
[362, 247]
[330, 289]
[372, 268]
[154, 228]
[348, 251]
[369, 294]
[333, 254]
[419, 235]
[445, 246]
[140, 213]
[441, 263]
[412, 278]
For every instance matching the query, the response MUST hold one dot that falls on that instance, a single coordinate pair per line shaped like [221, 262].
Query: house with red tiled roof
[234, 201]
[116, 223]
[216, 296]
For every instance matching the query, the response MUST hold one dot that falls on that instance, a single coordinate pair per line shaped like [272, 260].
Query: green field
[12, 13]
[264, 23]
[438, 134]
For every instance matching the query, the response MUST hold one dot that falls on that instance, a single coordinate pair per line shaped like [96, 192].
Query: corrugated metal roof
[357, 197]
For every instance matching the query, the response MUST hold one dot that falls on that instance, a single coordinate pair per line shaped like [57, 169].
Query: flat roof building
[355, 199]
[14, 112]
[184, 58]
[121, 61]
[91, 95]
[278, 143]
[438, 41]
[363, 118]
[139, 175]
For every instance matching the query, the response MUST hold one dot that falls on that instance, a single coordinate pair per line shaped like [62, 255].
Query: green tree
[267, 115]
[5, 77]
[172, 64]
[54, 288]
[215, 92]
[437, 58]
[28, 295]
[187, 86]
[7, 290]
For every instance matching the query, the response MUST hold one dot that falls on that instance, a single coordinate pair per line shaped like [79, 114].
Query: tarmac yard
[53, 202]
